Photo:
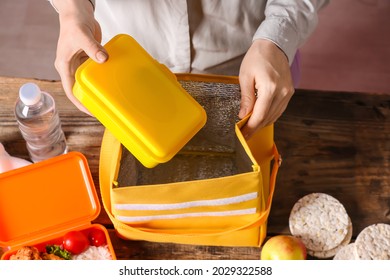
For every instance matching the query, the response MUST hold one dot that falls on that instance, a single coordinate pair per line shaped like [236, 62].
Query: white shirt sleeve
[52, 4]
[289, 23]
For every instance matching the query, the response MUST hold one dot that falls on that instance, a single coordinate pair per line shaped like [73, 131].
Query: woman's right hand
[80, 37]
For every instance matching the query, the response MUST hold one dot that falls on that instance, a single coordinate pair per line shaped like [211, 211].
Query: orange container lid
[45, 198]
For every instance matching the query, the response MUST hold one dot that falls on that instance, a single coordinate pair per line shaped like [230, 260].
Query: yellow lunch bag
[217, 190]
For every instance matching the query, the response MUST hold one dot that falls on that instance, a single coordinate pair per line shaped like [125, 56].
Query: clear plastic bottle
[39, 123]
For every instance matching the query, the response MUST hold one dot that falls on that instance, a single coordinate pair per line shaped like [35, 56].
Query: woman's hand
[266, 85]
[80, 37]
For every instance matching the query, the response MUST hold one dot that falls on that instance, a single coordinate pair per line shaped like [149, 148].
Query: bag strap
[110, 157]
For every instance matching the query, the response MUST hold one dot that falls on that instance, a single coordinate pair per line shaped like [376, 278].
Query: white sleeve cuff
[280, 31]
[52, 4]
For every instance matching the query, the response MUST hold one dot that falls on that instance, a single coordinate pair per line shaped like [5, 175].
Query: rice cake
[373, 242]
[332, 252]
[320, 221]
[347, 253]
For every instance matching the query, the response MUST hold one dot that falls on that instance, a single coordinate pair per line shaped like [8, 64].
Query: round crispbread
[330, 253]
[320, 221]
[347, 253]
[373, 242]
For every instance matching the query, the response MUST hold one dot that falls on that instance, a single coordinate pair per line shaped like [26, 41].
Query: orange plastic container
[140, 101]
[41, 202]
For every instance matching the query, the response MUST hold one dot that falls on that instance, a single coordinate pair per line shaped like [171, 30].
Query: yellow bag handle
[110, 157]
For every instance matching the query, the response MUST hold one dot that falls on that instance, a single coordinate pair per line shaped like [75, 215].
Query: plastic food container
[140, 101]
[41, 202]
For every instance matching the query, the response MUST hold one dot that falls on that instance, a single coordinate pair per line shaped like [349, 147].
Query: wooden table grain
[332, 142]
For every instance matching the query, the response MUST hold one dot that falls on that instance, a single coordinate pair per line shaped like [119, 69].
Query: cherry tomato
[75, 242]
[97, 237]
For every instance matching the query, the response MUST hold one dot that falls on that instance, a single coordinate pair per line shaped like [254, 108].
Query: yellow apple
[283, 247]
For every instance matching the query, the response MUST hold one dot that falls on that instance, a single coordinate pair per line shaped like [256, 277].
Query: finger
[274, 114]
[260, 111]
[93, 49]
[67, 76]
[276, 109]
[279, 105]
[67, 83]
[248, 97]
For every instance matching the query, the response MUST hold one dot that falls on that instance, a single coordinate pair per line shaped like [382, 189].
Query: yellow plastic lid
[45, 198]
[140, 101]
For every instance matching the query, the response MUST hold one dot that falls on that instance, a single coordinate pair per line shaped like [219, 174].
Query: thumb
[94, 50]
[247, 98]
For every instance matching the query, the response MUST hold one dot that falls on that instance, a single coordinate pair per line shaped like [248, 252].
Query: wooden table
[332, 142]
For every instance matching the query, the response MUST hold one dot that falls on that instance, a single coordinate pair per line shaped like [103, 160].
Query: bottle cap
[30, 94]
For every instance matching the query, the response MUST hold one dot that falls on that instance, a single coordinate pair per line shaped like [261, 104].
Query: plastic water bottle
[39, 123]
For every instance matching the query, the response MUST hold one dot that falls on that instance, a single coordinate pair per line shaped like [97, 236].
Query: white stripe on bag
[189, 204]
[132, 219]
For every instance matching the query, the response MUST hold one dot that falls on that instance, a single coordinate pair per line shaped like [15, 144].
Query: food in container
[68, 247]
[42, 202]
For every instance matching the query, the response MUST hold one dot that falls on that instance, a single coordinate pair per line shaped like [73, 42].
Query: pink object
[8, 162]
[296, 69]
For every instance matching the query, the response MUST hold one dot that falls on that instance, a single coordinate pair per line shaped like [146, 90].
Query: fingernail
[101, 56]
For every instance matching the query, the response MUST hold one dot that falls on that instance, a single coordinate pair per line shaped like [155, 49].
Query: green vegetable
[56, 250]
